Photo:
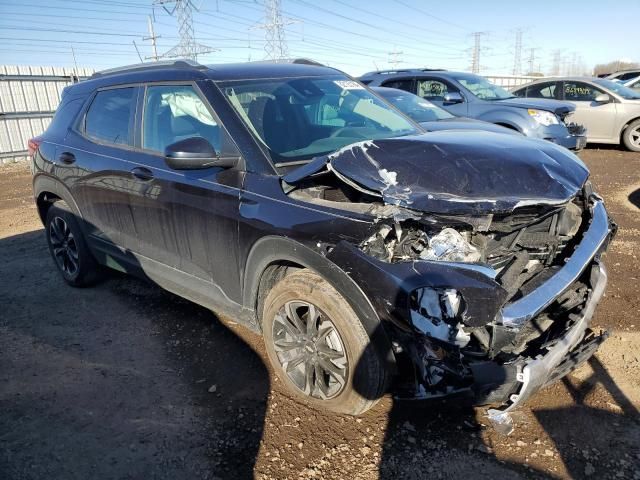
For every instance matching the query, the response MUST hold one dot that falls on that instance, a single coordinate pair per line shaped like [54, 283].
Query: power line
[475, 55]
[276, 46]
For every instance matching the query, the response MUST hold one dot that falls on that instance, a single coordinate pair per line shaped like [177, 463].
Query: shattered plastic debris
[502, 422]
[449, 245]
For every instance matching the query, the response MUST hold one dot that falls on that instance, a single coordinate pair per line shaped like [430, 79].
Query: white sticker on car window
[348, 85]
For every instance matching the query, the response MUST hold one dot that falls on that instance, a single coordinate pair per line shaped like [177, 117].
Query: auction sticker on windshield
[348, 85]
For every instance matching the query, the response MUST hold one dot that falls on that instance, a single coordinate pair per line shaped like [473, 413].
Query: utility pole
[187, 47]
[394, 58]
[475, 55]
[275, 47]
[152, 36]
[517, 53]
[75, 63]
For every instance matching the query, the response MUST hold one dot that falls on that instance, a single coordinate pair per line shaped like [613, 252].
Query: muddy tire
[318, 346]
[631, 136]
[68, 247]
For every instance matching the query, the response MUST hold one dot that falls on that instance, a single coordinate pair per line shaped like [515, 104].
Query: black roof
[188, 70]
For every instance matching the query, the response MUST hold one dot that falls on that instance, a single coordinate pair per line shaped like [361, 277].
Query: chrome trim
[536, 373]
[521, 311]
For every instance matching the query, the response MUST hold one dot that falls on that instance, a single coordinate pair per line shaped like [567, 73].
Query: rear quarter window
[110, 116]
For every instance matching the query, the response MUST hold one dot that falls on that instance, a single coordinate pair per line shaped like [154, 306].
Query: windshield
[418, 109]
[625, 92]
[482, 88]
[301, 118]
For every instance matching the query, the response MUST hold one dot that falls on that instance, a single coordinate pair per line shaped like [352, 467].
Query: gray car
[469, 95]
[432, 117]
[609, 111]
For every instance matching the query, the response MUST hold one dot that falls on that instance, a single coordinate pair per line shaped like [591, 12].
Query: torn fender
[389, 285]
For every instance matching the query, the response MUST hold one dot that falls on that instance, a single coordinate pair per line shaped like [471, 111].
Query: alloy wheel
[310, 350]
[64, 246]
[635, 136]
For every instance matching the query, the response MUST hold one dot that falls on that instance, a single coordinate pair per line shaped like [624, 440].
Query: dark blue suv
[473, 96]
[367, 253]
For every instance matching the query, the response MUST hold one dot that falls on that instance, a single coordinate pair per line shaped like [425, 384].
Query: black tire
[68, 247]
[631, 136]
[349, 351]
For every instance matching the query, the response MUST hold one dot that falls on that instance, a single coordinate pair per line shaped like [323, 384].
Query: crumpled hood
[451, 172]
[556, 106]
[463, 123]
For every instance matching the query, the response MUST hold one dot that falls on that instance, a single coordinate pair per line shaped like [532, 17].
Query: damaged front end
[483, 292]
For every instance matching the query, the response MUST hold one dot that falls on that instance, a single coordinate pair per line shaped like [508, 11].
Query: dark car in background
[366, 252]
[431, 117]
[469, 95]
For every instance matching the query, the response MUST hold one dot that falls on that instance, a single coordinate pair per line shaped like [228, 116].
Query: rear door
[598, 118]
[97, 153]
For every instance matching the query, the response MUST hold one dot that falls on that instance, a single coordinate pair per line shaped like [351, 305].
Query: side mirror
[195, 153]
[602, 98]
[452, 98]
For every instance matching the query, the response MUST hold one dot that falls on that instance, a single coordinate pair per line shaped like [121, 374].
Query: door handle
[142, 173]
[67, 158]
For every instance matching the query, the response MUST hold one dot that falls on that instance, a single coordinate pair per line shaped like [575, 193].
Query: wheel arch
[271, 258]
[48, 190]
[625, 125]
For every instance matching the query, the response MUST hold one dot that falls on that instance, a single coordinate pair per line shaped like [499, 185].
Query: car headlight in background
[543, 117]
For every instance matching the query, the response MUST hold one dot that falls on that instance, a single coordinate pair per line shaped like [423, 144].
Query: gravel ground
[124, 380]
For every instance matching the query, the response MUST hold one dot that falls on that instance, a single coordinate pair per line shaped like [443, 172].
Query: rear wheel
[68, 248]
[631, 136]
[318, 346]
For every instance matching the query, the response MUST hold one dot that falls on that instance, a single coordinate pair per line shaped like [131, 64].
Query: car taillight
[33, 145]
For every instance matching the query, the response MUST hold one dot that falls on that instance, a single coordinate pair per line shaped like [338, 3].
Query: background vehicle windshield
[414, 107]
[482, 88]
[300, 118]
[625, 92]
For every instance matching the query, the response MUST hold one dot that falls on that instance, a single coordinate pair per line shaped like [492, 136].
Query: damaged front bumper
[492, 379]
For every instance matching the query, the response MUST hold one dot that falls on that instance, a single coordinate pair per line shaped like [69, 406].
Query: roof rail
[183, 64]
[403, 70]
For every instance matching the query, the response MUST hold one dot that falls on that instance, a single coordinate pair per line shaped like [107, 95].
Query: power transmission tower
[187, 47]
[275, 47]
[475, 55]
[517, 53]
[394, 58]
[531, 61]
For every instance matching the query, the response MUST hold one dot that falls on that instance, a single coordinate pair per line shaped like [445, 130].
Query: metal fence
[510, 81]
[28, 99]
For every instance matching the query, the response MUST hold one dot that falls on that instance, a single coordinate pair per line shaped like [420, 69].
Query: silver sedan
[609, 111]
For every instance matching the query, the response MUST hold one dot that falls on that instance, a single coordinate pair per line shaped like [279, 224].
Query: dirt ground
[124, 380]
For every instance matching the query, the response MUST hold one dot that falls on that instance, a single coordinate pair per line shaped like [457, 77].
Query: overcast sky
[356, 36]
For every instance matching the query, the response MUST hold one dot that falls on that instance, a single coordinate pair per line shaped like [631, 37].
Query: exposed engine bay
[511, 230]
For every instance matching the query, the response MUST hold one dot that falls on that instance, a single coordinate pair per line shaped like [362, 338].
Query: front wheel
[318, 346]
[68, 247]
[631, 136]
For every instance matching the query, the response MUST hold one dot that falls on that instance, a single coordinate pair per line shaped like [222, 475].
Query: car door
[434, 89]
[96, 152]
[548, 90]
[598, 118]
[185, 220]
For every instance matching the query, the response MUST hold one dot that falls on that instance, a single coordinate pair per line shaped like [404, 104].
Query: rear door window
[405, 84]
[110, 116]
[542, 90]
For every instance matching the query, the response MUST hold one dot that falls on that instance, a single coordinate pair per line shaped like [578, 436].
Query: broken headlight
[436, 312]
[543, 117]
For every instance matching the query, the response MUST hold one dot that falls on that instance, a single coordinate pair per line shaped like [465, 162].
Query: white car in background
[608, 110]
[633, 84]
